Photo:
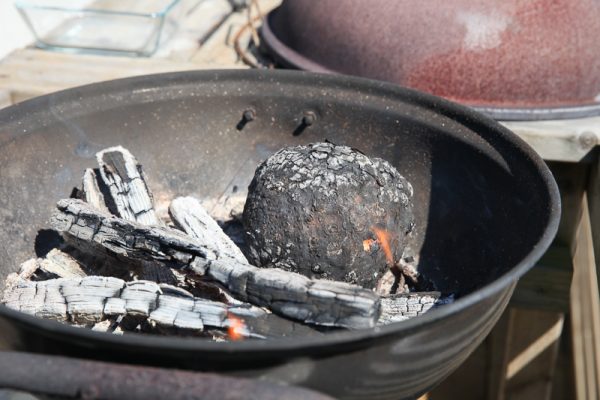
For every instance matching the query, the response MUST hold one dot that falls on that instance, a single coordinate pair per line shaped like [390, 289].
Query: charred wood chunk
[295, 296]
[91, 300]
[79, 300]
[126, 182]
[189, 215]
[92, 192]
[62, 265]
[400, 307]
[84, 224]
[56, 264]
[27, 271]
[318, 210]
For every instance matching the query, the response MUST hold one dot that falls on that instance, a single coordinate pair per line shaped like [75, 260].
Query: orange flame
[383, 238]
[236, 327]
[367, 243]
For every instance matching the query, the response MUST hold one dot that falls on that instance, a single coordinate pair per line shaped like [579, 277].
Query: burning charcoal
[323, 210]
[93, 300]
[176, 310]
[295, 296]
[126, 182]
[286, 293]
[191, 217]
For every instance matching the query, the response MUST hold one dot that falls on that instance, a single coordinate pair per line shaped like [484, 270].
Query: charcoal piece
[61, 265]
[44, 301]
[414, 281]
[127, 193]
[126, 182]
[92, 193]
[80, 300]
[56, 264]
[27, 271]
[86, 225]
[400, 307]
[189, 215]
[315, 301]
[317, 210]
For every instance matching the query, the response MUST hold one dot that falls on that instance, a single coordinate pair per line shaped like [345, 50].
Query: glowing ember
[367, 243]
[236, 328]
[383, 238]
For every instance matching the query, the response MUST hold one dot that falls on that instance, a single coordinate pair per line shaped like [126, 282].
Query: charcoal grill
[486, 208]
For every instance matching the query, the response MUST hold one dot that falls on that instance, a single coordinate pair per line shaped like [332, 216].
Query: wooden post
[498, 357]
[524, 346]
[585, 310]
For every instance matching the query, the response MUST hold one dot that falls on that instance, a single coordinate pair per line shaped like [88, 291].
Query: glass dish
[136, 27]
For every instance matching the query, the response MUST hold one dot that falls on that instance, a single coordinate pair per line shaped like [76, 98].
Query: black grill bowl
[486, 208]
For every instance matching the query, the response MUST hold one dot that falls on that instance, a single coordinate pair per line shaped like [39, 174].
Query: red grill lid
[514, 59]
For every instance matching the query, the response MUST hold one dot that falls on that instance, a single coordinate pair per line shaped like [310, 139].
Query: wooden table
[520, 356]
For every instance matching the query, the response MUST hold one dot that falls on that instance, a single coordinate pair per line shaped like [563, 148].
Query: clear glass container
[136, 27]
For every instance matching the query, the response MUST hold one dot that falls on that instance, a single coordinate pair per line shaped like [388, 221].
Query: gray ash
[314, 210]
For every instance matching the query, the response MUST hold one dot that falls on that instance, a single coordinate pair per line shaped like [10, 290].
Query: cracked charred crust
[310, 208]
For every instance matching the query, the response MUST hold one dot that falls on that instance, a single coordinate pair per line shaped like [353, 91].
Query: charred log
[91, 300]
[189, 215]
[126, 182]
[316, 301]
[316, 210]
[84, 224]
